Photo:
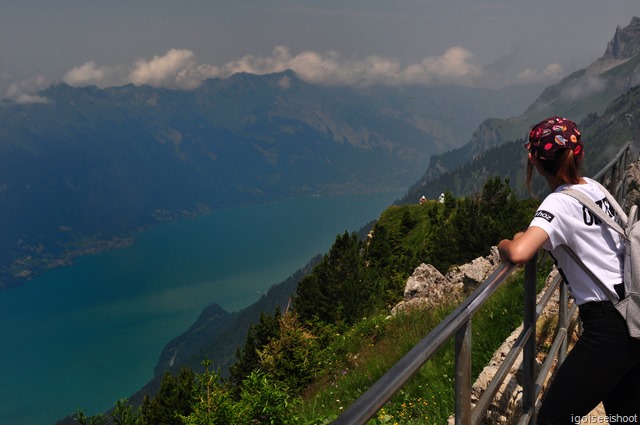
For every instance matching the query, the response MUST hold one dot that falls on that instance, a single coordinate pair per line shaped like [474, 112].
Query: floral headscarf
[550, 136]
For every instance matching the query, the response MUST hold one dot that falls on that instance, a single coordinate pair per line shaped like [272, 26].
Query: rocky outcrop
[507, 403]
[623, 47]
[633, 185]
[624, 44]
[428, 287]
[476, 271]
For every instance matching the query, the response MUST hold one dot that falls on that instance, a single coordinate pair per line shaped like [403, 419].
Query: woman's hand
[523, 246]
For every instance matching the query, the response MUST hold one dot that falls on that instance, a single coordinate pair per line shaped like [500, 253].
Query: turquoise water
[86, 335]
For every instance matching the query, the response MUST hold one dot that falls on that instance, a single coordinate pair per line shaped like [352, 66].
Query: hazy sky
[176, 44]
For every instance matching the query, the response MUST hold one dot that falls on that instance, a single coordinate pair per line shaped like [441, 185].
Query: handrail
[372, 400]
[613, 173]
[458, 325]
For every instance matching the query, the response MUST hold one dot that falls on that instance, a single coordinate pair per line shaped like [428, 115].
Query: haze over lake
[89, 334]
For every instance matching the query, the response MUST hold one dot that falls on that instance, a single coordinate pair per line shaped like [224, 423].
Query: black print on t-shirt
[590, 219]
[545, 214]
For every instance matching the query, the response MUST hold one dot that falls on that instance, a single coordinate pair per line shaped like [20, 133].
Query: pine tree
[174, 398]
[339, 289]
[259, 335]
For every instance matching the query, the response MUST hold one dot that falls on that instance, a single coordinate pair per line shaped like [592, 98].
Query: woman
[604, 364]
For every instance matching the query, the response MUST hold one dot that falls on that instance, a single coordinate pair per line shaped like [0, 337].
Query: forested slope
[291, 359]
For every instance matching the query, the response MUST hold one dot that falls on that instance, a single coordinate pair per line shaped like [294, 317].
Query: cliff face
[624, 44]
[585, 92]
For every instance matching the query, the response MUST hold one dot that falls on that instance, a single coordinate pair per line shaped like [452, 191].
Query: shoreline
[29, 267]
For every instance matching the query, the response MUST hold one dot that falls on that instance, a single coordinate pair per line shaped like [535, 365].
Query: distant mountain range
[604, 133]
[596, 97]
[605, 98]
[89, 168]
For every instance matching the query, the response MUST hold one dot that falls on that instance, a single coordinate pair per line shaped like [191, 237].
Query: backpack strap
[598, 212]
[593, 277]
[612, 201]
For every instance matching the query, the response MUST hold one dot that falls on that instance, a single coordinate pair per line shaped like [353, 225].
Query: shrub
[292, 357]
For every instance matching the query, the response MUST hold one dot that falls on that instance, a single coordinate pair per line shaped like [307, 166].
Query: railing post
[625, 167]
[529, 350]
[463, 374]
[614, 179]
[563, 320]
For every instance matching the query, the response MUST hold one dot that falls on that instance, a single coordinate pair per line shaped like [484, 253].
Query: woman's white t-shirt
[599, 247]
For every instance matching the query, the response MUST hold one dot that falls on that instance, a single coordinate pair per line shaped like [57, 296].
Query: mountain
[606, 127]
[91, 167]
[605, 134]
[587, 91]
[607, 115]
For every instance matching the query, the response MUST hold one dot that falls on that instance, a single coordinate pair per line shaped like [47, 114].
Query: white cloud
[551, 72]
[89, 74]
[584, 87]
[331, 68]
[25, 91]
[179, 69]
[452, 67]
[572, 91]
[176, 69]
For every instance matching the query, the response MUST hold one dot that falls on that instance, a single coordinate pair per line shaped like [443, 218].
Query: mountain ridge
[614, 116]
[615, 119]
[589, 90]
[91, 167]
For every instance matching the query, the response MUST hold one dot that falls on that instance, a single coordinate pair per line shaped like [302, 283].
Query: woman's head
[555, 150]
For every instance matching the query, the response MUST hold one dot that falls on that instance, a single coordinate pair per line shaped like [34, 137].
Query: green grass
[356, 359]
[364, 354]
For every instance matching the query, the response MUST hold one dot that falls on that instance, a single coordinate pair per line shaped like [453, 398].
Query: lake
[89, 334]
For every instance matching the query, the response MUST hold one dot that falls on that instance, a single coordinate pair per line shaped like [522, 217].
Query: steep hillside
[340, 306]
[583, 92]
[403, 238]
[91, 167]
[603, 136]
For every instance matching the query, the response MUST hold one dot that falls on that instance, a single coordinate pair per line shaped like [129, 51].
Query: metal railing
[458, 325]
[612, 175]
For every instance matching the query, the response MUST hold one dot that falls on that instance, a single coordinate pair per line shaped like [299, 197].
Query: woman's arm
[523, 246]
